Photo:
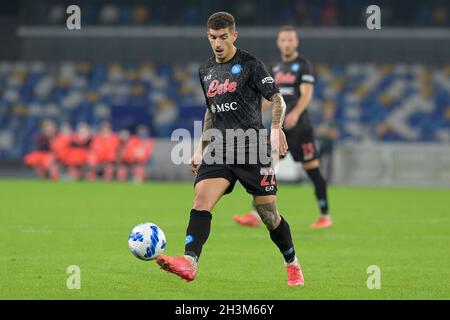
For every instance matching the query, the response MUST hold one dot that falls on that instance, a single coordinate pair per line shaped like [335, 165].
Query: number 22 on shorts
[265, 173]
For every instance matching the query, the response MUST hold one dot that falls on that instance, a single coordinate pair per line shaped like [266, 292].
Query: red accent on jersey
[265, 182]
[215, 87]
[285, 78]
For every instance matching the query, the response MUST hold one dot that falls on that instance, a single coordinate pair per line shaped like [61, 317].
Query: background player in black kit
[294, 76]
[233, 82]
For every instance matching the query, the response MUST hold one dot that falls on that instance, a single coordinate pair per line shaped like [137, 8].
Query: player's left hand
[195, 162]
[291, 120]
[278, 141]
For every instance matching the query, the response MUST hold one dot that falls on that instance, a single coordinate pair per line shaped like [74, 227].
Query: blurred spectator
[86, 155]
[192, 14]
[246, 12]
[440, 15]
[61, 144]
[102, 152]
[424, 15]
[134, 153]
[300, 14]
[109, 14]
[57, 14]
[140, 14]
[122, 165]
[329, 14]
[77, 153]
[42, 160]
[384, 129]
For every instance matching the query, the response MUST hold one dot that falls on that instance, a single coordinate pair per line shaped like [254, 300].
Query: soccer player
[294, 76]
[43, 160]
[134, 153]
[233, 82]
[76, 154]
[60, 146]
[122, 158]
[102, 151]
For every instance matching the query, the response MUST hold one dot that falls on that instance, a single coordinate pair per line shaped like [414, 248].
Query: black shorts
[257, 180]
[301, 144]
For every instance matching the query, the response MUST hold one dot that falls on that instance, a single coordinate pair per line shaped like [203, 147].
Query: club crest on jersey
[189, 239]
[236, 69]
[295, 67]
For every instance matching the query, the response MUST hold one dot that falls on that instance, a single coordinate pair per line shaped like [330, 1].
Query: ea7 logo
[267, 80]
[374, 20]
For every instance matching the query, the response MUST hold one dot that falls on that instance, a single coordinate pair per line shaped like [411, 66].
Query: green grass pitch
[45, 227]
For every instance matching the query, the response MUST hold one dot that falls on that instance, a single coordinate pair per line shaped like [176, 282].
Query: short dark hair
[221, 20]
[286, 28]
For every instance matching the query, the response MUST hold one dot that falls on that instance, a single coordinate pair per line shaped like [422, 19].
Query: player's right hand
[195, 162]
[291, 119]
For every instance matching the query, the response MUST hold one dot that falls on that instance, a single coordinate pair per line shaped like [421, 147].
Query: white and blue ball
[147, 241]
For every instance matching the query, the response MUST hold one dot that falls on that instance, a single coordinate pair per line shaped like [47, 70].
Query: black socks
[197, 232]
[200, 225]
[320, 187]
[281, 236]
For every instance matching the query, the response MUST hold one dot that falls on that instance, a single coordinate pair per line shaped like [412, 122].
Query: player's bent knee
[208, 192]
[311, 164]
[269, 214]
[202, 202]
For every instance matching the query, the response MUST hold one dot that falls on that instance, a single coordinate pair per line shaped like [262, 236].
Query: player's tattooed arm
[277, 137]
[196, 159]
[278, 110]
[207, 125]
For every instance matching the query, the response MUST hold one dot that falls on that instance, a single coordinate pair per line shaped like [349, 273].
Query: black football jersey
[288, 76]
[233, 91]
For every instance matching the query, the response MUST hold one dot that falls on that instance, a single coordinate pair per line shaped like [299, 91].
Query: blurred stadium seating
[432, 13]
[136, 62]
[374, 102]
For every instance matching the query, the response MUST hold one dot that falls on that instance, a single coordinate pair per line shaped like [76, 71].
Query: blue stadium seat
[362, 94]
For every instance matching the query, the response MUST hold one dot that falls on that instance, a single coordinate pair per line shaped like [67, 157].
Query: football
[147, 241]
